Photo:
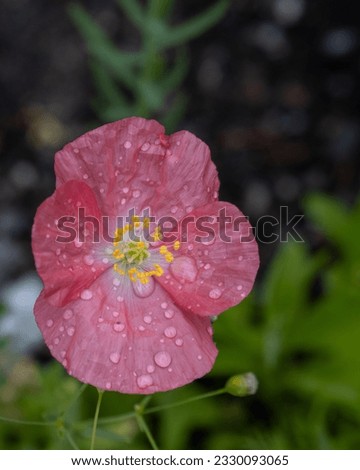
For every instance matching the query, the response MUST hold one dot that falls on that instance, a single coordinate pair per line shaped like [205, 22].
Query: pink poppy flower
[126, 304]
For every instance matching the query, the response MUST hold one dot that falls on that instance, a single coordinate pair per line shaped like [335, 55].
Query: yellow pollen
[176, 245]
[157, 234]
[133, 256]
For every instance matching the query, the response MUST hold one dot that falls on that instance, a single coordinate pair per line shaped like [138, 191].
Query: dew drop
[86, 294]
[63, 354]
[56, 341]
[184, 269]
[115, 314]
[141, 328]
[114, 357]
[240, 258]
[150, 368]
[88, 260]
[239, 287]
[67, 314]
[70, 331]
[108, 385]
[164, 305]
[199, 357]
[147, 319]
[85, 176]
[188, 209]
[136, 193]
[144, 290]
[209, 330]
[49, 323]
[169, 313]
[179, 342]
[127, 144]
[57, 251]
[170, 332]
[119, 298]
[78, 243]
[123, 200]
[215, 293]
[118, 327]
[207, 266]
[174, 209]
[116, 281]
[162, 359]
[105, 260]
[144, 381]
[125, 190]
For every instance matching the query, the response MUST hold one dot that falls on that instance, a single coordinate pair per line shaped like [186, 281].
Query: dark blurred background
[272, 88]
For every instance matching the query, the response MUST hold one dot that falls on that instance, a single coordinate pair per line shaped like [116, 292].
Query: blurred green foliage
[143, 82]
[299, 333]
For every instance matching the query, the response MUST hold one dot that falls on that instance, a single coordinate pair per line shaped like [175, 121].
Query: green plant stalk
[96, 418]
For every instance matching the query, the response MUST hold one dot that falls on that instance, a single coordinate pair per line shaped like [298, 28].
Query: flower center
[133, 255]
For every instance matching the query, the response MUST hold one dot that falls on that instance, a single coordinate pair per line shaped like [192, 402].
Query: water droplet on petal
[115, 314]
[125, 190]
[88, 260]
[184, 269]
[86, 294]
[170, 332]
[162, 359]
[239, 287]
[119, 298]
[118, 327]
[150, 368]
[49, 323]
[179, 342]
[56, 341]
[145, 147]
[136, 193]
[174, 209]
[240, 258]
[127, 144]
[85, 176]
[207, 266]
[116, 281]
[144, 290]
[169, 313]
[209, 330]
[199, 357]
[215, 293]
[70, 331]
[147, 319]
[144, 381]
[141, 328]
[164, 305]
[108, 385]
[115, 357]
[68, 314]
[78, 243]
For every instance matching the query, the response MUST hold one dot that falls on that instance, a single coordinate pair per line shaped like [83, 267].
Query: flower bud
[242, 385]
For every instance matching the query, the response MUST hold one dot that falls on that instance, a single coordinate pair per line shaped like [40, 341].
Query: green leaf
[329, 214]
[196, 26]
[177, 73]
[134, 12]
[101, 47]
[106, 86]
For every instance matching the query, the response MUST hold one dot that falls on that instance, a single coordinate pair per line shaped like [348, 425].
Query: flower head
[136, 254]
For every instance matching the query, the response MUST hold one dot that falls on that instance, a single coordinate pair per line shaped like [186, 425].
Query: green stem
[70, 439]
[155, 409]
[96, 417]
[30, 423]
[145, 428]
[77, 396]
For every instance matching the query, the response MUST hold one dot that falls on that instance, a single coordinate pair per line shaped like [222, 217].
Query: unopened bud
[242, 385]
